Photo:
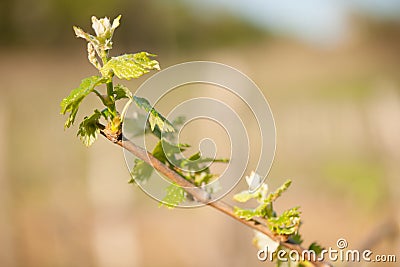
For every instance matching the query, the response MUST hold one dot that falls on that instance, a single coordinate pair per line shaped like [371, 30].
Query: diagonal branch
[201, 195]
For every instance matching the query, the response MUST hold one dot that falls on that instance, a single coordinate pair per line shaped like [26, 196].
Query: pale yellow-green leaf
[130, 66]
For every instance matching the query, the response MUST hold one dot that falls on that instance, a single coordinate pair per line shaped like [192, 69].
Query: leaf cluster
[126, 67]
[130, 66]
[285, 224]
[195, 169]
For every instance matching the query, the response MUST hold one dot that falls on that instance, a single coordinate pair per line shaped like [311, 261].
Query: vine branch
[201, 195]
[263, 219]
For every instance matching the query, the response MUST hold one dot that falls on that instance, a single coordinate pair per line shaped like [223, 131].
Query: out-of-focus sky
[316, 21]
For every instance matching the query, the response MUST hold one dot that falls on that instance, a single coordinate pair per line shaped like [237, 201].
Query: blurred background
[329, 69]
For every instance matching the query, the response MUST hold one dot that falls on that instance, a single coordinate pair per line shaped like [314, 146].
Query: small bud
[98, 26]
[102, 27]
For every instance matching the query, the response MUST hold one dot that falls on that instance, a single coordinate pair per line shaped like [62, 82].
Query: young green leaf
[273, 196]
[89, 128]
[121, 91]
[316, 248]
[263, 210]
[296, 238]
[92, 56]
[171, 136]
[175, 195]
[141, 171]
[166, 152]
[245, 196]
[130, 66]
[197, 163]
[246, 214]
[287, 223]
[72, 102]
[259, 194]
[88, 37]
[155, 118]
